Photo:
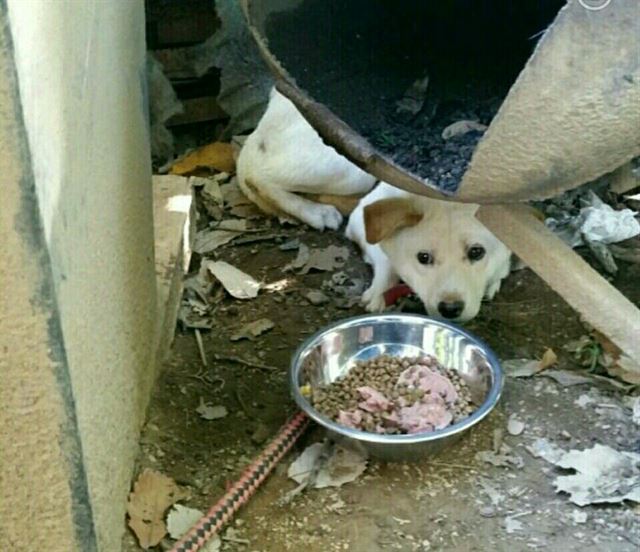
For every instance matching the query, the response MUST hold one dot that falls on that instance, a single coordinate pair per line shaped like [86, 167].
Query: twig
[254, 239]
[456, 466]
[236, 540]
[242, 403]
[203, 357]
[244, 362]
[221, 228]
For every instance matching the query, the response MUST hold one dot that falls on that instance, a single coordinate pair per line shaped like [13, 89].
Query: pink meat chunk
[424, 416]
[350, 418]
[432, 383]
[374, 401]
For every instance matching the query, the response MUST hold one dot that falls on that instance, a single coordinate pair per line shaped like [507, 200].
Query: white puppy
[284, 157]
[439, 249]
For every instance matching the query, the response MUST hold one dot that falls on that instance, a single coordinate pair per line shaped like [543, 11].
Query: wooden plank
[198, 110]
[600, 304]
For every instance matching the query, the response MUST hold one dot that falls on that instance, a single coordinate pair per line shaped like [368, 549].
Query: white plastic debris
[597, 222]
[239, 284]
[602, 223]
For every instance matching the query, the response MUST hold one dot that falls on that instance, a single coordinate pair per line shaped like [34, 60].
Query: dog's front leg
[384, 277]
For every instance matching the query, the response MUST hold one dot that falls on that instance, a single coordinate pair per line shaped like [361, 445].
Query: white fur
[446, 230]
[285, 156]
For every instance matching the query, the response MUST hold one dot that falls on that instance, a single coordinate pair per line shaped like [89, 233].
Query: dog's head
[440, 250]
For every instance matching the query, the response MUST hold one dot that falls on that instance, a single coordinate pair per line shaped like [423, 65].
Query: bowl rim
[492, 398]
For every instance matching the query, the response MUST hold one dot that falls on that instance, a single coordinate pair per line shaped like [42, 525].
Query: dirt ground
[450, 502]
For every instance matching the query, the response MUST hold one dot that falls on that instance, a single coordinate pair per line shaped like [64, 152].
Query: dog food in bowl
[396, 395]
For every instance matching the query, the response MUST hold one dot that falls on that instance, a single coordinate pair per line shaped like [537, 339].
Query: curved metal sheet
[572, 115]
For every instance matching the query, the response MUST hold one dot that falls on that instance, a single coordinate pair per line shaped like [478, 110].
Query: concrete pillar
[77, 324]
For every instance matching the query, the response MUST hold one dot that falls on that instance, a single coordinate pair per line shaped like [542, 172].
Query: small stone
[579, 516]
[260, 434]
[316, 297]
[515, 426]
[488, 512]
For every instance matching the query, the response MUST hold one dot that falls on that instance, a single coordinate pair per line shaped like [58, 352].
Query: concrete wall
[44, 503]
[81, 75]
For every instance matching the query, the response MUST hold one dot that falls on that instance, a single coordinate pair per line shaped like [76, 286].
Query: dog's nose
[450, 309]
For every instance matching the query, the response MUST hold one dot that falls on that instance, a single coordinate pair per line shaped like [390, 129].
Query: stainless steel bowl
[332, 352]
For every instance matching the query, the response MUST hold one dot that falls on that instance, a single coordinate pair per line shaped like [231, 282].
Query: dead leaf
[504, 458]
[152, 494]
[232, 194]
[239, 284]
[218, 156]
[603, 474]
[181, 519]
[566, 377]
[249, 212]
[462, 127]
[210, 194]
[512, 525]
[549, 358]
[543, 448]
[253, 329]
[326, 259]
[413, 99]
[325, 465]
[209, 412]
[524, 368]
[209, 240]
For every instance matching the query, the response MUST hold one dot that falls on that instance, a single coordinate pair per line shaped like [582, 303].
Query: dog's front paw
[492, 289]
[373, 300]
[324, 216]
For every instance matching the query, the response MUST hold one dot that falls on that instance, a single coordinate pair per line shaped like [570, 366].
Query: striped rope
[238, 495]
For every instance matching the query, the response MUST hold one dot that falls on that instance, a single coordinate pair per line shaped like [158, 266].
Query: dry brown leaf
[326, 259]
[152, 495]
[253, 329]
[218, 155]
[524, 368]
[549, 358]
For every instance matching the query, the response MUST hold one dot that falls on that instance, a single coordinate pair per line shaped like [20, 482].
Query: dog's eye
[475, 253]
[425, 258]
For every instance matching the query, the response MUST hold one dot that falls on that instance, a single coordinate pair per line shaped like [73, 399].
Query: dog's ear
[383, 218]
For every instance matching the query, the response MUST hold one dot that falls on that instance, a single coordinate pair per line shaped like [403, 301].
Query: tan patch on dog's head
[383, 218]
